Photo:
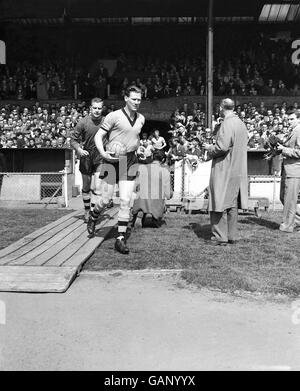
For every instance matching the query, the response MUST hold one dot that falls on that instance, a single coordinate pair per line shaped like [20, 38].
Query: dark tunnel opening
[162, 126]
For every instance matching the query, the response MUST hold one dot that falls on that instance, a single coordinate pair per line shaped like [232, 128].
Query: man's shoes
[218, 243]
[86, 216]
[110, 204]
[91, 226]
[215, 242]
[120, 245]
[283, 228]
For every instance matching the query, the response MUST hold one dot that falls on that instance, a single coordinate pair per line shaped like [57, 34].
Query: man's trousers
[224, 224]
[289, 190]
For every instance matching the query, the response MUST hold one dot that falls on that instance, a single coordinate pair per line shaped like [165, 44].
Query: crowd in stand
[52, 81]
[264, 68]
[40, 126]
[155, 77]
[184, 77]
[49, 126]
[189, 132]
[261, 67]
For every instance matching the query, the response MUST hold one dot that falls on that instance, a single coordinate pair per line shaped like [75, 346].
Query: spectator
[158, 141]
[176, 151]
[32, 143]
[47, 143]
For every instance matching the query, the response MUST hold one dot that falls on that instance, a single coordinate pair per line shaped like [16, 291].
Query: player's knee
[101, 202]
[125, 203]
[105, 201]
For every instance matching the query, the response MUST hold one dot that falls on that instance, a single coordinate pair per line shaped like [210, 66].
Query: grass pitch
[264, 260]
[17, 223]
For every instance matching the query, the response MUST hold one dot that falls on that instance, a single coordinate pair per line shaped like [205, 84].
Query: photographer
[152, 198]
[290, 178]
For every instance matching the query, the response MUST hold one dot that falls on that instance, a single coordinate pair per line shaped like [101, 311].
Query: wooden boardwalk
[49, 259]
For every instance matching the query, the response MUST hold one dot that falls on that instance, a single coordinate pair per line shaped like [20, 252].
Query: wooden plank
[89, 247]
[28, 238]
[36, 279]
[52, 251]
[68, 251]
[37, 242]
[70, 255]
[49, 278]
[86, 250]
[52, 240]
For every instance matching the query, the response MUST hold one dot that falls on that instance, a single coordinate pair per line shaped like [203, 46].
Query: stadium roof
[284, 12]
[224, 10]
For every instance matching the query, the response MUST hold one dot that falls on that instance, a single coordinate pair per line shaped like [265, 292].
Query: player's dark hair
[132, 89]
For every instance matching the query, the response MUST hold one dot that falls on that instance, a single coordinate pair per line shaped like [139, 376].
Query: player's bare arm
[99, 144]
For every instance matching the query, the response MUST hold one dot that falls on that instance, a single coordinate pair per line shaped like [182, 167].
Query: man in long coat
[290, 176]
[228, 187]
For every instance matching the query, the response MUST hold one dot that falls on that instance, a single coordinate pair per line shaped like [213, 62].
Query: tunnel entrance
[162, 126]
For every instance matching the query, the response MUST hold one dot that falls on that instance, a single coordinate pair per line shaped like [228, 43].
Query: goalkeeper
[122, 126]
[84, 133]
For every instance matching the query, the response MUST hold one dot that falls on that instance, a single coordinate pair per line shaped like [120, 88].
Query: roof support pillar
[209, 66]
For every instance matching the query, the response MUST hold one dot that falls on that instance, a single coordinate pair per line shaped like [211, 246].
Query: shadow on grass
[202, 231]
[103, 232]
[150, 223]
[259, 221]
[113, 233]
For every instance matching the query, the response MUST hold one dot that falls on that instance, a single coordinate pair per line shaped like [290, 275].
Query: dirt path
[134, 322]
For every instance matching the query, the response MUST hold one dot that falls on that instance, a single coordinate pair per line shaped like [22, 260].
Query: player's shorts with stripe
[88, 164]
[123, 170]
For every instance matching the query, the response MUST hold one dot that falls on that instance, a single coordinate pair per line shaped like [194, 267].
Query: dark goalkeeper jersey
[84, 133]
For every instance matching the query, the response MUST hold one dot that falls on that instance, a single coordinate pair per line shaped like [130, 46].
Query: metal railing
[35, 187]
[259, 186]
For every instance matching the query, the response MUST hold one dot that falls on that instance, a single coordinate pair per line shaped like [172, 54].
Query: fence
[39, 187]
[191, 183]
[187, 181]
